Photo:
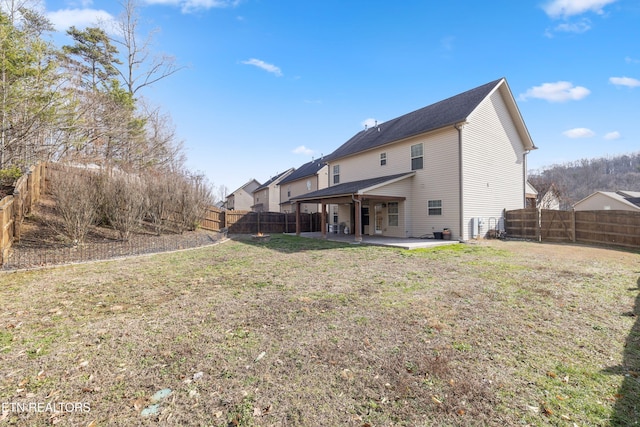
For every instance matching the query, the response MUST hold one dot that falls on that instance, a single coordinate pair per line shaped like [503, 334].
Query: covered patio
[354, 223]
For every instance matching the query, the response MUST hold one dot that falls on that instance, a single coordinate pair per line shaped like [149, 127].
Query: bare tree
[140, 69]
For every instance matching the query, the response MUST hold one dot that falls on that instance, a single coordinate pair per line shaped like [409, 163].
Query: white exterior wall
[492, 164]
[438, 180]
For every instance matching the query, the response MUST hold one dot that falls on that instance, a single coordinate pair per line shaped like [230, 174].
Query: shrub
[161, 191]
[123, 202]
[10, 175]
[194, 196]
[77, 201]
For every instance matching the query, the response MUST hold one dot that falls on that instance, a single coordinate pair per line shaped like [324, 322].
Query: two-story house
[454, 165]
[266, 198]
[242, 198]
[309, 177]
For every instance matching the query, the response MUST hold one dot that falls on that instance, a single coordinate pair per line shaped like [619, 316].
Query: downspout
[524, 178]
[459, 127]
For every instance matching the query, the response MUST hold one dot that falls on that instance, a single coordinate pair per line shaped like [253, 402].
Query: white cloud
[612, 135]
[556, 92]
[264, 65]
[81, 18]
[566, 8]
[579, 133]
[577, 27]
[630, 60]
[625, 81]
[189, 6]
[303, 150]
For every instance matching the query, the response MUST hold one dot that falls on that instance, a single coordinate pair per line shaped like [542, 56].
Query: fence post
[538, 225]
[573, 225]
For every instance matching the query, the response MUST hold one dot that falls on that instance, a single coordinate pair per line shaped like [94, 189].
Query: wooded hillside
[576, 180]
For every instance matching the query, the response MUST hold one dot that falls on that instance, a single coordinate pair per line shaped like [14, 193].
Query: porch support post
[297, 218]
[323, 220]
[358, 215]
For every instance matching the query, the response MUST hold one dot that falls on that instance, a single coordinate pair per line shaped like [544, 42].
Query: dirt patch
[42, 241]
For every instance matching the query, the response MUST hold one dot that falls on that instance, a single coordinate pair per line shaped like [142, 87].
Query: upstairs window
[416, 157]
[383, 159]
[336, 174]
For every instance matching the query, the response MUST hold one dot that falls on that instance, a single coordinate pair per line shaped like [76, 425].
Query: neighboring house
[309, 177]
[608, 200]
[550, 199]
[456, 164]
[546, 198]
[266, 198]
[242, 198]
[530, 196]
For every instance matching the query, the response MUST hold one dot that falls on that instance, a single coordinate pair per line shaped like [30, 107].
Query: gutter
[524, 178]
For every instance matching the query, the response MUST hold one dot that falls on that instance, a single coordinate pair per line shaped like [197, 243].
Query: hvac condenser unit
[476, 227]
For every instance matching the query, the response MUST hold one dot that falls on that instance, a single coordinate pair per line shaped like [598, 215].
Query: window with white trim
[416, 157]
[336, 174]
[435, 207]
[383, 159]
[392, 214]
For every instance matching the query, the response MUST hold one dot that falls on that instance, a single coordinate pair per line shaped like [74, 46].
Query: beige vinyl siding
[492, 163]
[402, 188]
[600, 201]
[297, 188]
[437, 180]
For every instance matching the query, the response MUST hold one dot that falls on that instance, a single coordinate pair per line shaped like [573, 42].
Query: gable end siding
[492, 164]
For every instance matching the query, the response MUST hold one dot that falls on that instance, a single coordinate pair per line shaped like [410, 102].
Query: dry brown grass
[300, 332]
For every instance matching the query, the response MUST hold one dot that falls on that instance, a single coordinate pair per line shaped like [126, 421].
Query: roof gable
[275, 179]
[251, 183]
[435, 116]
[625, 197]
[308, 169]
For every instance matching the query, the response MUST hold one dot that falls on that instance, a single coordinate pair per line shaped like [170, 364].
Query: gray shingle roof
[349, 188]
[272, 180]
[435, 116]
[308, 169]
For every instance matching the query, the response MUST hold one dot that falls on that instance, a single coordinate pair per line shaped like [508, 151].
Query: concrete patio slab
[396, 242]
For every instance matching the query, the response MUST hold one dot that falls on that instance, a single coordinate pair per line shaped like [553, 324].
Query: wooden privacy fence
[619, 228]
[245, 222]
[14, 208]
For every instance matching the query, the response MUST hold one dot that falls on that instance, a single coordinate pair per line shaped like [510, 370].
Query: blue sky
[271, 84]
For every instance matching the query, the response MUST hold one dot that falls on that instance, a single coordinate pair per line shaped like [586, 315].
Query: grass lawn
[303, 332]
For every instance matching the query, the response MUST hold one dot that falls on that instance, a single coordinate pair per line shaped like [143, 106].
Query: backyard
[305, 332]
